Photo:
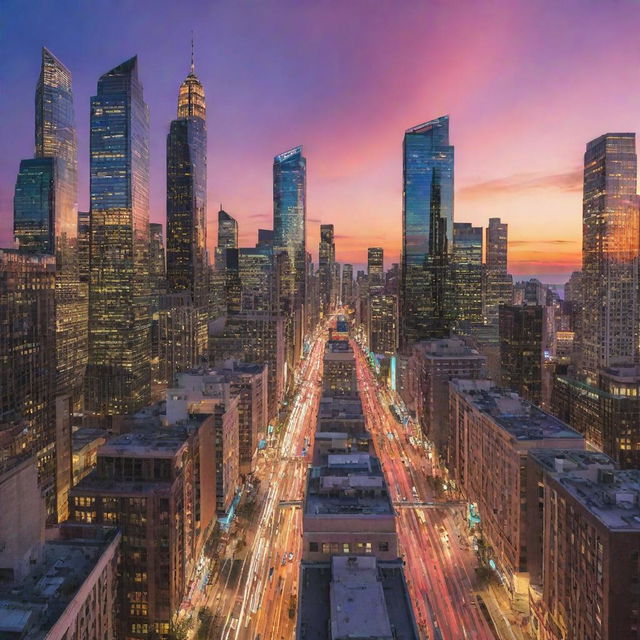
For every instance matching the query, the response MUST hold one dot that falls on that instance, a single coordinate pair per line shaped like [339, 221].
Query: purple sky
[526, 84]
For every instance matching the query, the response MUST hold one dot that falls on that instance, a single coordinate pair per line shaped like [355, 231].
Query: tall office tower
[608, 333]
[290, 216]
[29, 422]
[227, 236]
[498, 283]
[157, 273]
[226, 261]
[118, 377]
[265, 239]
[187, 193]
[392, 280]
[427, 232]
[467, 272]
[521, 349]
[45, 216]
[573, 288]
[327, 258]
[375, 269]
[256, 276]
[84, 227]
[347, 283]
[382, 323]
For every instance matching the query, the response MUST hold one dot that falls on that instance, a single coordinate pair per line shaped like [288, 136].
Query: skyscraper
[467, 271]
[119, 374]
[327, 258]
[157, 269]
[289, 217]
[427, 232]
[45, 215]
[347, 283]
[521, 349]
[187, 193]
[608, 334]
[227, 236]
[375, 269]
[498, 287]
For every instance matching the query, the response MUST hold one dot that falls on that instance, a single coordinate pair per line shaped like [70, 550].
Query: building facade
[427, 232]
[467, 272]
[118, 377]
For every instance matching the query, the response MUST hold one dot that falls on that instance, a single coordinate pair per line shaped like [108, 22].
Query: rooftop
[86, 436]
[521, 419]
[29, 610]
[349, 484]
[447, 348]
[611, 495]
[354, 597]
[155, 443]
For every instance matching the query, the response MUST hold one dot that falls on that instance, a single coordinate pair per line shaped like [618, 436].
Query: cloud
[568, 181]
[524, 243]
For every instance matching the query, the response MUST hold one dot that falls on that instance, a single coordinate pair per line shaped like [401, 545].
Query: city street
[439, 562]
[254, 595]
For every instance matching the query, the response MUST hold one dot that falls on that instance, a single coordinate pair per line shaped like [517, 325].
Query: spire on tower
[192, 64]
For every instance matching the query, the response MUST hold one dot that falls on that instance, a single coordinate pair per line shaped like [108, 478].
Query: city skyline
[510, 103]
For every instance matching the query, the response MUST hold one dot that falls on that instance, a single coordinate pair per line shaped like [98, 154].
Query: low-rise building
[156, 486]
[432, 364]
[493, 430]
[588, 576]
[348, 510]
[339, 369]
[70, 594]
[355, 597]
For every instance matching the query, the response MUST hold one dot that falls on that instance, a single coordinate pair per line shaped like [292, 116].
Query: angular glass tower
[427, 232]
[608, 334]
[326, 260]
[45, 215]
[289, 217]
[187, 193]
[119, 375]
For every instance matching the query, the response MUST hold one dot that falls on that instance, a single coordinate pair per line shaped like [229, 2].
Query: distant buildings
[118, 377]
[375, 270]
[382, 324]
[427, 232]
[347, 283]
[467, 272]
[339, 369]
[431, 366]
[498, 286]
[521, 349]
[327, 259]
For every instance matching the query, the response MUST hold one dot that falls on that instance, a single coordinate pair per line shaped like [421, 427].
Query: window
[383, 546]
[346, 547]
[313, 546]
[326, 547]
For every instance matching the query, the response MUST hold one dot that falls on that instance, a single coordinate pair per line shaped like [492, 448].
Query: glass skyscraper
[427, 232]
[375, 269]
[290, 216]
[119, 375]
[608, 334]
[467, 272]
[187, 193]
[326, 259]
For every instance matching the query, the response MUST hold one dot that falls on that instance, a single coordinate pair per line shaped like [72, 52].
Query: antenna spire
[192, 64]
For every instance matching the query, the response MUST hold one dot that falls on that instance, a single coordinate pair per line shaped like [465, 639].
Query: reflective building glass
[427, 231]
[289, 217]
[118, 375]
[187, 194]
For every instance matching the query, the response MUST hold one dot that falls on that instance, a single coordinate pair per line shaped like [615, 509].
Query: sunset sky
[526, 85]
